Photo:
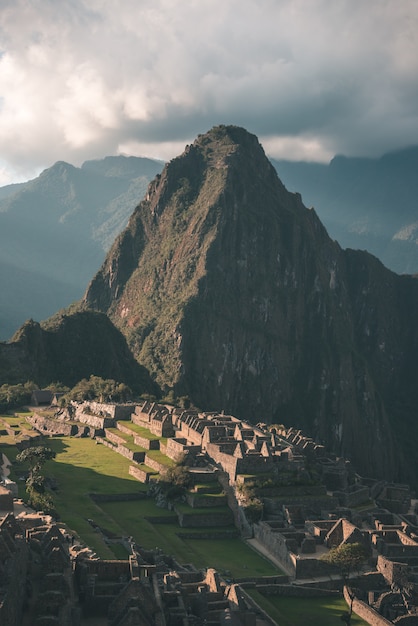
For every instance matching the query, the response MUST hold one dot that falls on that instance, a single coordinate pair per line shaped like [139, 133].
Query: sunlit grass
[305, 611]
[82, 467]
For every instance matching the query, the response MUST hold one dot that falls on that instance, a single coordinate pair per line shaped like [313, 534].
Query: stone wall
[13, 594]
[188, 520]
[114, 438]
[311, 568]
[155, 465]
[353, 498]
[113, 411]
[144, 442]
[393, 572]
[228, 462]
[178, 446]
[196, 501]
[117, 497]
[148, 444]
[140, 474]
[52, 426]
[138, 457]
[276, 544]
[296, 591]
[94, 421]
[366, 612]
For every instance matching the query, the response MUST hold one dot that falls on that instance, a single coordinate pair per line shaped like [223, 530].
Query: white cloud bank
[82, 79]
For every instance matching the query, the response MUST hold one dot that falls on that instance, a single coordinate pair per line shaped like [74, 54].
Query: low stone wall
[138, 457]
[311, 568]
[352, 499]
[190, 520]
[52, 426]
[252, 582]
[196, 501]
[140, 474]
[144, 442]
[117, 497]
[178, 446]
[365, 611]
[107, 410]
[276, 544]
[155, 465]
[210, 535]
[94, 421]
[162, 519]
[148, 444]
[259, 610]
[295, 591]
[28, 442]
[114, 438]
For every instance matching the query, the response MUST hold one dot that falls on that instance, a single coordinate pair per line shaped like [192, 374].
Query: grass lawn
[304, 611]
[157, 455]
[139, 430]
[82, 467]
[230, 554]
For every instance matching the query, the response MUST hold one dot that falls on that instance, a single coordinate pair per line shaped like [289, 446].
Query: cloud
[85, 78]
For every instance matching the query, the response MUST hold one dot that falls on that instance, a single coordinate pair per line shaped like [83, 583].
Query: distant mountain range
[56, 229]
[365, 204]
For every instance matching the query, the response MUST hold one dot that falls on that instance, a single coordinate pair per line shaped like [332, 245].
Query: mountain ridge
[59, 227]
[230, 291]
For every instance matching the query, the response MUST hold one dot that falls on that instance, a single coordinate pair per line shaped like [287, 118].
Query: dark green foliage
[347, 557]
[96, 388]
[36, 457]
[12, 396]
[72, 347]
[254, 510]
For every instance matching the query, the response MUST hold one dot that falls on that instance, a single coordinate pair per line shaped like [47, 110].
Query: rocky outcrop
[69, 348]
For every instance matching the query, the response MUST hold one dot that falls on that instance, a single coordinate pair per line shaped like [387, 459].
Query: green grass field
[305, 611]
[82, 467]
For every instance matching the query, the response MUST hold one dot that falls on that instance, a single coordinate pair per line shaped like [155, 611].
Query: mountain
[367, 204]
[229, 290]
[56, 229]
[69, 348]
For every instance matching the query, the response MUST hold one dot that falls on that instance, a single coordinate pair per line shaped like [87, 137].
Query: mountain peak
[230, 291]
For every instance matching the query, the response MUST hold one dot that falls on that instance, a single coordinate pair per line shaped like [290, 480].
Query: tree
[347, 557]
[36, 457]
[104, 390]
[15, 395]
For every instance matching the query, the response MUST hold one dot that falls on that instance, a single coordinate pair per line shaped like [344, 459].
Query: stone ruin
[296, 530]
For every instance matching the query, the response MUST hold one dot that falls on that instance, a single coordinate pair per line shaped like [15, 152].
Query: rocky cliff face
[229, 290]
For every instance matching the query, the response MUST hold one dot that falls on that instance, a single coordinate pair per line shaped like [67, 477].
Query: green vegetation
[347, 557]
[105, 390]
[304, 611]
[12, 396]
[82, 467]
[35, 458]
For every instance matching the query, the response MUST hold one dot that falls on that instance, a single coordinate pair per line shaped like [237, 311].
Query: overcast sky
[83, 79]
